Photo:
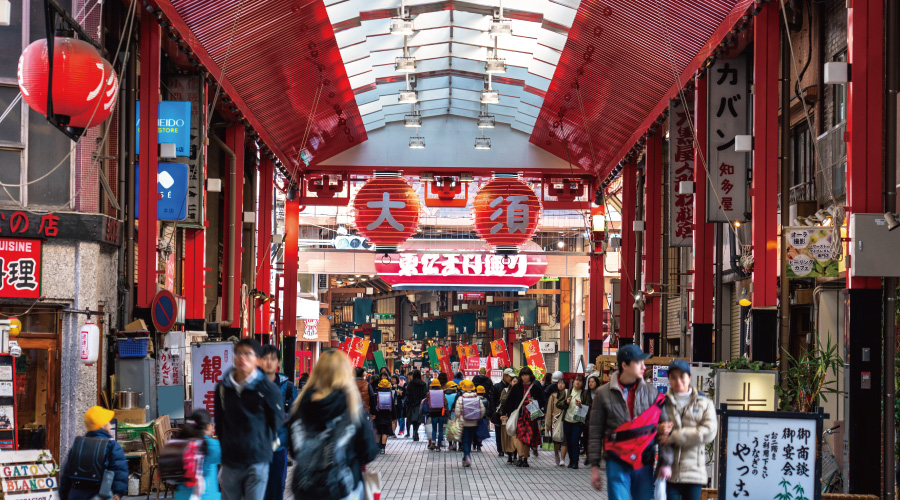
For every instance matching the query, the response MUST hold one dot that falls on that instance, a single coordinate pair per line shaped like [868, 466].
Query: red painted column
[595, 295]
[234, 139]
[291, 261]
[653, 229]
[627, 271]
[865, 107]
[704, 234]
[765, 223]
[264, 231]
[194, 264]
[149, 159]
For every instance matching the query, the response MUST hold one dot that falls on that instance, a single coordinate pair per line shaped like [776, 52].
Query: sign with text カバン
[174, 122]
[728, 111]
[498, 350]
[20, 268]
[681, 169]
[809, 252]
[454, 271]
[209, 362]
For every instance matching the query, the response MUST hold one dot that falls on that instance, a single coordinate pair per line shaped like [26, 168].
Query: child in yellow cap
[383, 409]
[436, 406]
[81, 478]
[469, 410]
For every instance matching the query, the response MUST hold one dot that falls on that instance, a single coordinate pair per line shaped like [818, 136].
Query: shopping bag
[557, 434]
[372, 485]
[660, 490]
[581, 413]
[453, 432]
[535, 410]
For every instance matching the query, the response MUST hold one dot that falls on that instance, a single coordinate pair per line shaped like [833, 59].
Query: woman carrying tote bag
[553, 423]
[527, 435]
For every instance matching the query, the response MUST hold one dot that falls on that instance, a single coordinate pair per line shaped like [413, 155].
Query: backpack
[89, 458]
[435, 403]
[181, 461]
[471, 409]
[385, 401]
[321, 462]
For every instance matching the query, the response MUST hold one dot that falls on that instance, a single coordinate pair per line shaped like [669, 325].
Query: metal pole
[785, 154]
[720, 304]
[639, 256]
[131, 208]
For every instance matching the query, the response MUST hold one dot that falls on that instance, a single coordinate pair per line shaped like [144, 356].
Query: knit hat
[467, 385]
[557, 376]
[384, 384]
[435, 383]
[479, 389]
[96, 417]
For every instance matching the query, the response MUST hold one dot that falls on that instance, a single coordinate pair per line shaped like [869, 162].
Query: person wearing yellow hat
[435, 406]
[82, 461]
[469, 410]
[383, 409]
[483, 431]
[451, 390]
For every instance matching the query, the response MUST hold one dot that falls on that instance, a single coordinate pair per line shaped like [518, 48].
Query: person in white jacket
[469, 410]
[694, 426]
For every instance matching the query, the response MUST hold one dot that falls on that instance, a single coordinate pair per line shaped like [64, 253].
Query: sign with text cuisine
[455, 271]
[20, 268]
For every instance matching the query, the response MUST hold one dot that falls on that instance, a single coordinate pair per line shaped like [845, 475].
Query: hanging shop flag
[20, 268]
[498, 350]
[359, 347]
[534, 358]
[443, 354]
[809, 252]
[495, 317]
[527, 311]
[419, 331]
[362, 311]
[506, 213]
[471, 351]
[465, 324]
[433, 358]
[379, 359]
[440, 325]
[728, 114]
[209, 361]
[387, 211]
[456, 271]
[681, 169]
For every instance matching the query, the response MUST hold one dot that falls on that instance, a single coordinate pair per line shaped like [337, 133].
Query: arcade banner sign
[498, 350]
[534, 357]
[455, 271]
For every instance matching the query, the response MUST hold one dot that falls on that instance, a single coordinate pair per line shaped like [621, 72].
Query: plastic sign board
[748, 390]
[533, 357]
[174, 122]
[209, 362]
[20, 268]
[498, 350]
[809, 251]
[453, 271]
[172, 187]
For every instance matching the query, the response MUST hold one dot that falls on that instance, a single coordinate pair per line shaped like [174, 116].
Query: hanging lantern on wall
[506, 213]
[82, 81]
[387, 211]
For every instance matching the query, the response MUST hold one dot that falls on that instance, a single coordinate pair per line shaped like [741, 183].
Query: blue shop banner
[174, 126]
[172, 186]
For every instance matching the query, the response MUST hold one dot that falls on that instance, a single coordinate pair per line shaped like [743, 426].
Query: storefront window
[32, 371]
[35, 320]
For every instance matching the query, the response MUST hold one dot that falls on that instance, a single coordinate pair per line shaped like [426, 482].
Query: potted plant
[806, 380]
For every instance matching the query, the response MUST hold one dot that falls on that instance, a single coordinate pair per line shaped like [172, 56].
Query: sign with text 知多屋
[681, 169]
[810, 252]
[455, 271]
[728, 112]
[20, 268]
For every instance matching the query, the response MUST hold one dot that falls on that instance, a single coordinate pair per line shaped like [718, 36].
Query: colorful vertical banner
[498, 349]
[471, 351]
[728, 112]
[461, 353]
[433, 358]
[534, 357]
[681, 169]
[358, 349]
[443, 354]
[379, 359]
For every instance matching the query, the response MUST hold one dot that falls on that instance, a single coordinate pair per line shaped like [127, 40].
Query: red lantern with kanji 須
[387, 211]
[82, 81]
[506, 213]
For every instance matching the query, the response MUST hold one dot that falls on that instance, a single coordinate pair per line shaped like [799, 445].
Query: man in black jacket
[249, 411]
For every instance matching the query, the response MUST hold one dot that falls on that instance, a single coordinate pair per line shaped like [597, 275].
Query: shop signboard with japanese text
[192, 89]
[771, 455]
[453, 271]
[170, 368]
[681, 169]
[20, 268]
[728, 111]
[209, 362]
[809, 252]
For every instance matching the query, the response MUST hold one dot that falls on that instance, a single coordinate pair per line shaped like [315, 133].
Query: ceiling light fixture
[486, 121]
[408, 97]
[501, 27]
[413, 120]
[416, 142]
[402, 26]
[490, 97]
[405, 64]
[491, 65]
[482, 143]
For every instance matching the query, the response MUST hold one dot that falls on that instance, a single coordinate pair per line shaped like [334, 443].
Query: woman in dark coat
[528, 434]
[416, 390]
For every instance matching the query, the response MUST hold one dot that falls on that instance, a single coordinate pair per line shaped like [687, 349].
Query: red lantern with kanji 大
[80, 79]
[387, 211]
[506, 213]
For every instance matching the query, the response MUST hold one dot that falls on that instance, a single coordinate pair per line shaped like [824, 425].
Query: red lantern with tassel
[506, 213]
[387, 211]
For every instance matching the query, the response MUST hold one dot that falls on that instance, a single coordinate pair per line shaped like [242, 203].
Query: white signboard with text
[728, 110]
[209, 362]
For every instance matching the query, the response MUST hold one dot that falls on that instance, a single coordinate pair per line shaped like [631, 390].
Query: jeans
[277, 475]
[683, 491]
[572, 431]
[401, 425]
[437, 430]
[468, 435]
[247, 483]
[625, 483]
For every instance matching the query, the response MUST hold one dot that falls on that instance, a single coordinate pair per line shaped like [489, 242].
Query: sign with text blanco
[728, 110]
[681, 169]
[454, 271]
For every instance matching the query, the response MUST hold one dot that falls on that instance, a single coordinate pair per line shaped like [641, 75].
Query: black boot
[509, 460]
[525, 462]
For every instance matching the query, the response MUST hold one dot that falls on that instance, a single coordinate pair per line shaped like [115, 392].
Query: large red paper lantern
[506, 213]
[387, 211]
[80, 77]
[102, 107]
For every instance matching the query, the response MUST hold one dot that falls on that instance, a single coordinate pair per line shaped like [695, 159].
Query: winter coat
[586, 400]
[317, 414]
[115, 459]
[288, 395]
[611, 411]
[458, 410]
[211, 461]
[517, 394]
[383, 417]
[484, 381]
[550, 415]
[247, 424]
[496, 393]
[693, 428]
[416, 390]
[366, 392]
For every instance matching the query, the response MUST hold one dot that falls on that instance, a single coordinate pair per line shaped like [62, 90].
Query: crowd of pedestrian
[343, 418]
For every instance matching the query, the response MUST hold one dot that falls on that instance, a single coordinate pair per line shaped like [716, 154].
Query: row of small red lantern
[506, 212]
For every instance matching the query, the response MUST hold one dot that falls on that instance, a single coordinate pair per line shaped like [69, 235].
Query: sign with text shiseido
[454, 271]
[681, 169]
[728, 111]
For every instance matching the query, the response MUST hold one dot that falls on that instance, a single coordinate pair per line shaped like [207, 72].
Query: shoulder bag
[514, 416]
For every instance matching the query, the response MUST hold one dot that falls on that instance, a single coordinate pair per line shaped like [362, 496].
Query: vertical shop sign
[534, 358]
[498, 350]
[208, 363]
[681, 169]
[728, 113]
[443, 354]
[190, 88]
[20, 268]
[169, 369]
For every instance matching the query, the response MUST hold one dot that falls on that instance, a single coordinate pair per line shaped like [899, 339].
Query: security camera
[892, 222]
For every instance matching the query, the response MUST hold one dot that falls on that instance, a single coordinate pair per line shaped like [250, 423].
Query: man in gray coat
[625, 398]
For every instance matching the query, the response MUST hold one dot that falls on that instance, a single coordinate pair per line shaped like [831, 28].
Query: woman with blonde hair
[329, 434]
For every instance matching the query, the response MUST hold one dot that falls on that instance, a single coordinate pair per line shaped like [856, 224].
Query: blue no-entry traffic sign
[164, 311]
